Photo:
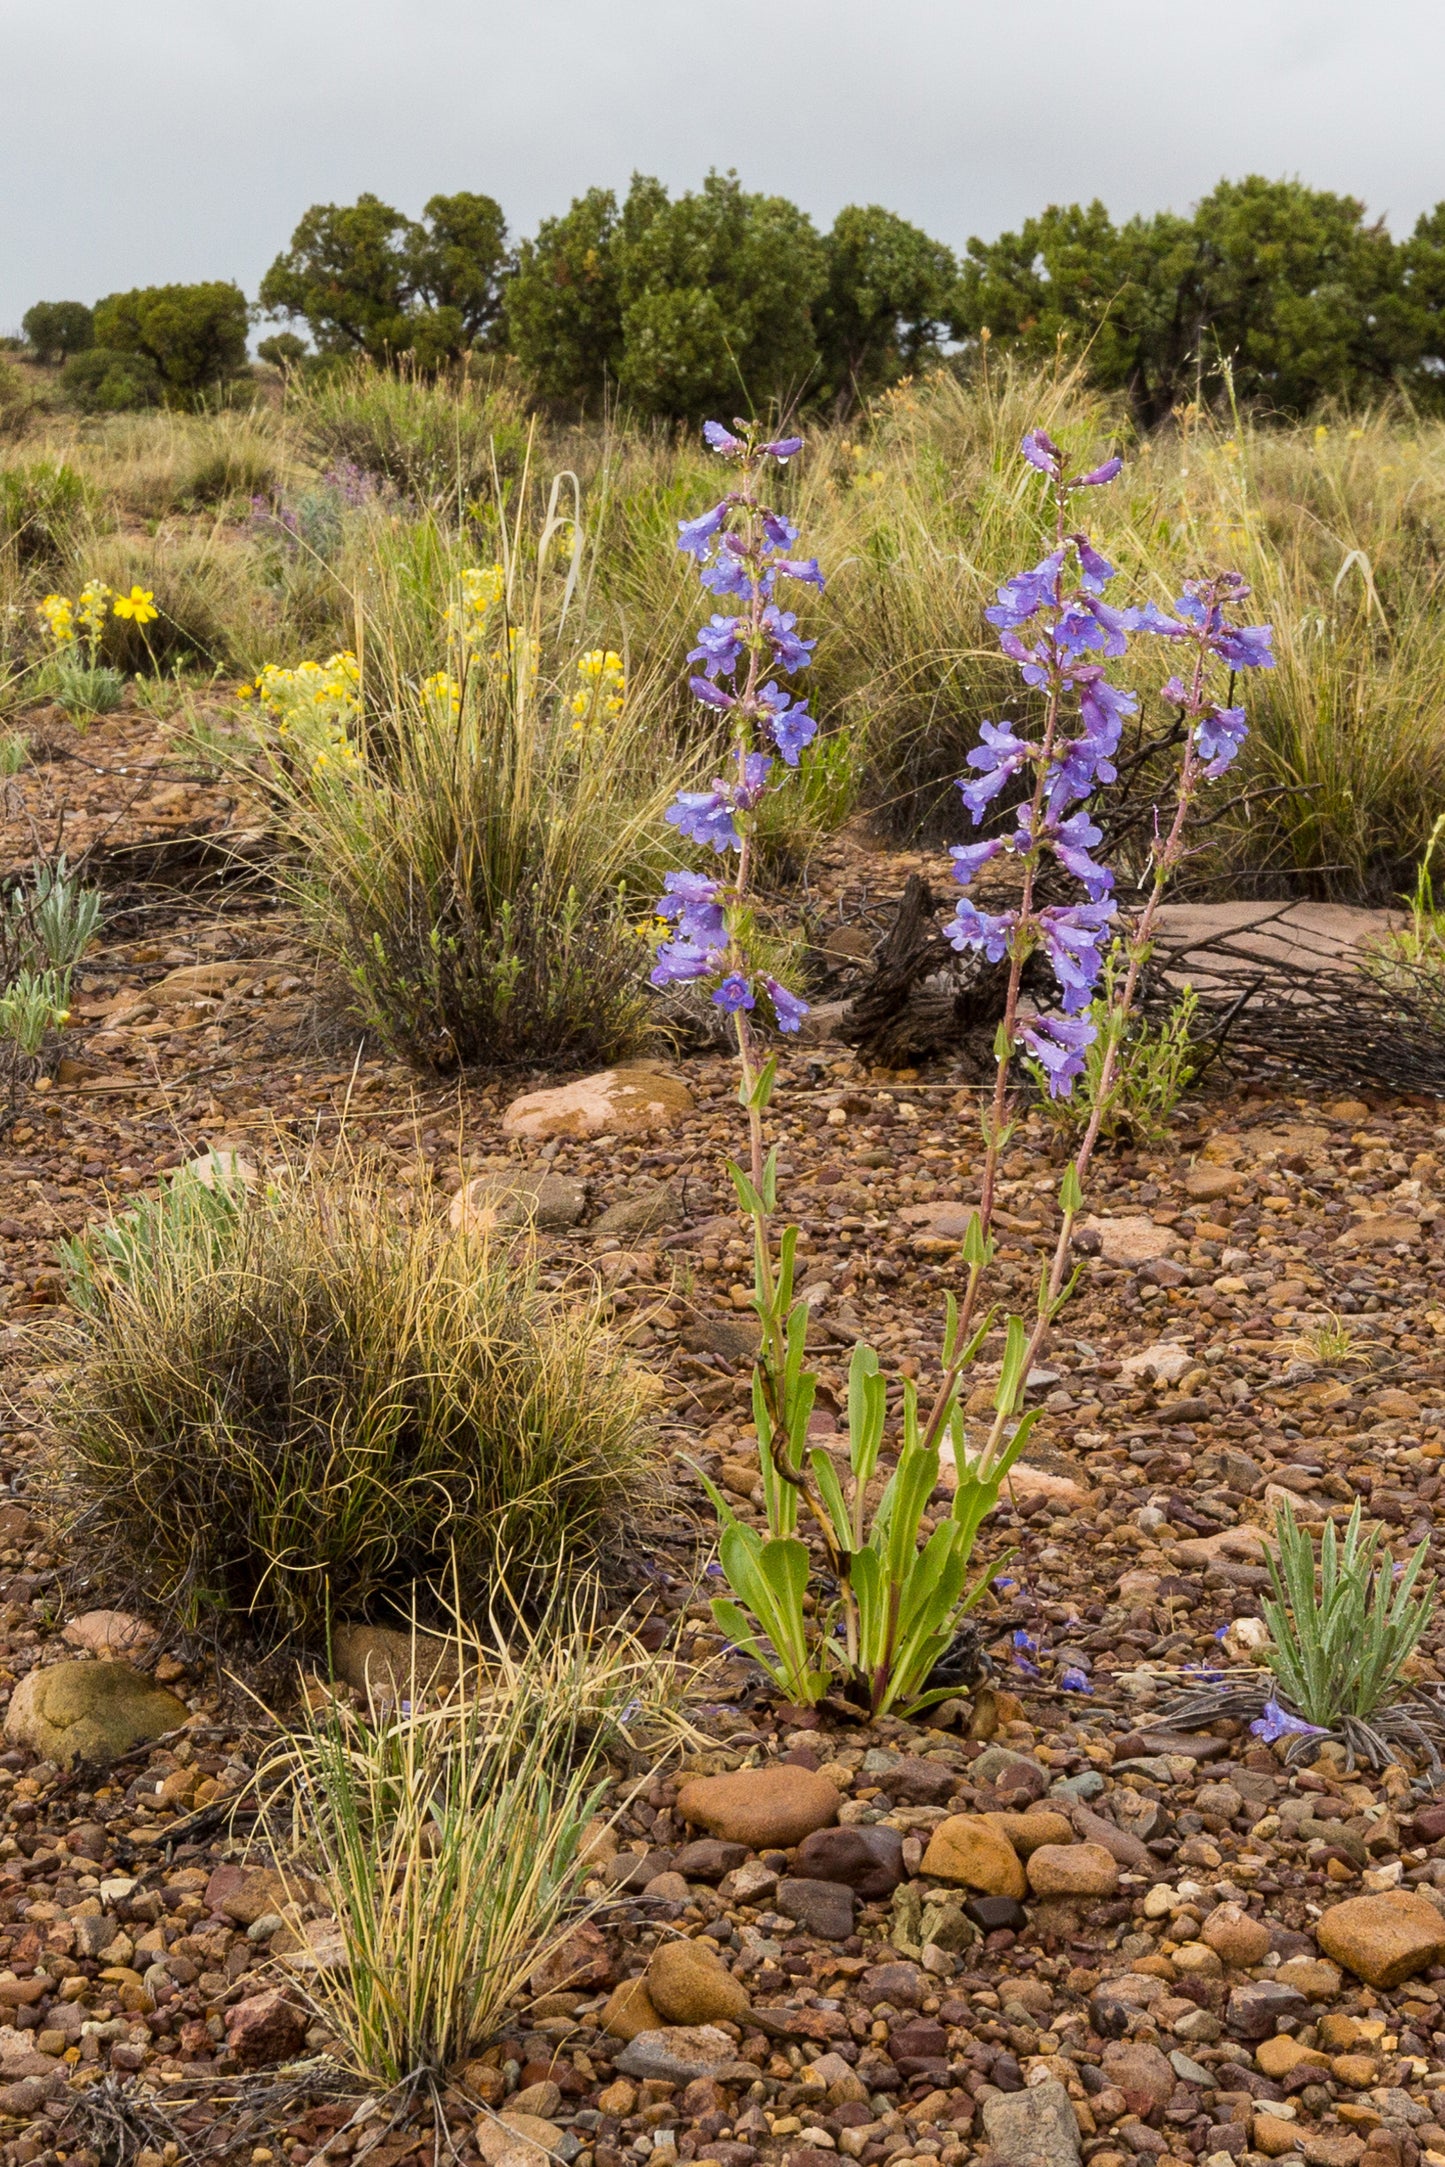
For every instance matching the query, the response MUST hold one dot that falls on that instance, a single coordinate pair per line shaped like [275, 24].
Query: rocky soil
[1035, 1928]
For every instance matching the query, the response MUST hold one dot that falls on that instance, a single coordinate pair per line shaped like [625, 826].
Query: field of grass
[339, 517]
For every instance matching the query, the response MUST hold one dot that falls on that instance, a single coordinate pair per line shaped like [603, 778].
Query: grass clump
[309, 1404]
[1340, 1645]
[439, 444]
[447, 1837]
[473, 843]
[45, 507]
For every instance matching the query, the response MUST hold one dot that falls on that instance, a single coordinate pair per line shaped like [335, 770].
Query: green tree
[347, 273]
[1300, 293]
[563, 311]
[1291, 286]
[57, 329]
[717, 293]
[1422, 299]
[193, 336]
[887, 303]
[459, 261]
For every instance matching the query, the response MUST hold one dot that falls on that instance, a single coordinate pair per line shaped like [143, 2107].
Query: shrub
[439, 443]
[283, 350]
[102, 382]
[17, 406]
[44, 509]
[193, 336]
[329, 1412]
[57, 329]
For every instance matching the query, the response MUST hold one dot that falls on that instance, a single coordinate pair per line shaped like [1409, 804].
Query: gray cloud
[181, 139]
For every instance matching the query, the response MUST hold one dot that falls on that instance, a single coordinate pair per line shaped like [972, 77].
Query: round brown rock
[869, 1860]
[1072, 1869]
[629, 2011]
[764, 1808]
[968, 1849]
[687, 1986]
[1027, 1831]
[1235, 1937]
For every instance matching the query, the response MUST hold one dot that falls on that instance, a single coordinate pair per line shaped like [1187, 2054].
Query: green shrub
[193, 336]
[102, 382]
[333, 1411]
[17, 405]
[44, 509]
[82, 688]
[57, 329]
[440, 443]
[283, 350]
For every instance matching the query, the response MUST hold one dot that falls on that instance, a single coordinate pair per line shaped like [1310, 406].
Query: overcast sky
[182, 139]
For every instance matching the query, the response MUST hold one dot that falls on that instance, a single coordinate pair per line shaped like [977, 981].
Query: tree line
[720, 298]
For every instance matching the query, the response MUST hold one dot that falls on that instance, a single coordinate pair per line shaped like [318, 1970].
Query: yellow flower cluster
[62, 616]
[603, 686]
[481, 587]
[441, 691]
[314, 705]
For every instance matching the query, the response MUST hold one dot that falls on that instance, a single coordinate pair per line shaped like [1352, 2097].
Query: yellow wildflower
[139, 605]
[59, 619]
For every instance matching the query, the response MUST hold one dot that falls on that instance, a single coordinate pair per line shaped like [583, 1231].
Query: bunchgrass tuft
[308, 1403]
[446, 1831]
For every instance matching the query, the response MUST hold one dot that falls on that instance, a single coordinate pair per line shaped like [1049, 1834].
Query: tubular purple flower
[788, 1010]
[727, 575]
[1058, 1044]
[723, 440]
[801, 568]
[788, 721]
[1245, 647]
[969, 859]
[1042, 452]
[999, 756]
[784, 448]
[1277, 1723]
[679, 963]
[695, 536]
[1221, 732]
[756, 766]
[1103, 708]
[691, 902]
[705, 816]
[1072, 936]
[710, 694]
[1148, 617]
[1097, 476]
[789, 652]
[1072, 841]
[1027, 593]
[778, 532]
[735, 992]
[720, 645]
[1097, 571]
[970, 927]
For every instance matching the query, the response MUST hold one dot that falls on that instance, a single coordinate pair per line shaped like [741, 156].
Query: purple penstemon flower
[695, 537]
[679, 963]
[735, 992]
[788, 1009]
[722, 440]
[1220, 733]
[1097, 476]
[710, 694]
[1042, 452]
[721, 643]
[969, 859]
[778, 532]
[691, 902]
[1072, 840]
[1023, 596]
[970, 927]
[1277, 1723]
[787, 721]
[789, 651]
[1072, 935]
[1058, 1044]
[784, 448]
[705, 816]
[999, 756]
[803, 569]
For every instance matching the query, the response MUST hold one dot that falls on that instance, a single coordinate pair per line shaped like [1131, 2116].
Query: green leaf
[1071, 1190]
[748, 1196]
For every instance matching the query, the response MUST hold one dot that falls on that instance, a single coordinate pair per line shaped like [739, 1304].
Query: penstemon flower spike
[898, 1596]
